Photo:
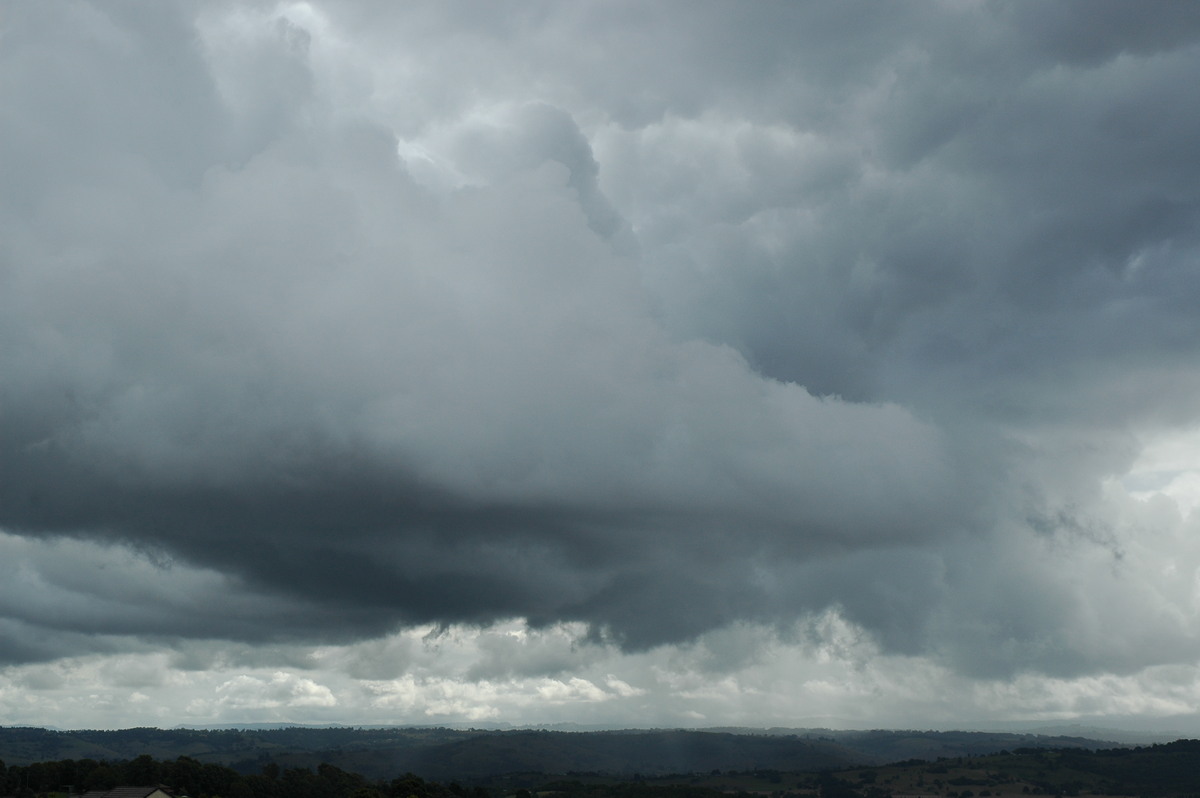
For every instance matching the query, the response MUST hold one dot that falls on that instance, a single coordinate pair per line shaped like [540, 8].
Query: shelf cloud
[358, 357]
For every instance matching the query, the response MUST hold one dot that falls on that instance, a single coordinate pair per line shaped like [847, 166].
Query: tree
[143, 770]
[102, 777]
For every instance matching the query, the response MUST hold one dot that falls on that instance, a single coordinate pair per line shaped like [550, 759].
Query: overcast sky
[648, 364]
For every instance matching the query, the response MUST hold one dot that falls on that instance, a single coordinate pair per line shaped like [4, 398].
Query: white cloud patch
[280, 690]
[827, 674]
[1168, 466]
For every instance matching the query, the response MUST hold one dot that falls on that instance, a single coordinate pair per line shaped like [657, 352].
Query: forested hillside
[449, 754]
[1160, 771]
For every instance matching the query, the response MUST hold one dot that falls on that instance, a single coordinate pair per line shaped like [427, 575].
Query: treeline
[187, 776]
[630, 789]
[1166, 769]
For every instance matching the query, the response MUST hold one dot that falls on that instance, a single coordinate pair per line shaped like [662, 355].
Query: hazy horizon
[1139, 732]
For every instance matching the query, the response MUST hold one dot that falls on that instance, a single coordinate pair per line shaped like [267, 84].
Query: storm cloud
[686, 327]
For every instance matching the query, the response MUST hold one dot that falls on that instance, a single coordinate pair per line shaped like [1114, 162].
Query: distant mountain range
[446, 754]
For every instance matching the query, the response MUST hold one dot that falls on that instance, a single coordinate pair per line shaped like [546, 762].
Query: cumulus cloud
[282, 689]
[629, 325]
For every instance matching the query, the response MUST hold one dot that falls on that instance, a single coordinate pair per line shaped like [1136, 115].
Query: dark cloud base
[726, 316]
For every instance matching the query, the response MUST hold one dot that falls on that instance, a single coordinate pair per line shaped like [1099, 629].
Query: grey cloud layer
[663, 317]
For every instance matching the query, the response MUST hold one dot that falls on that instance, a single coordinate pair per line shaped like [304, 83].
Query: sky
[608, 362]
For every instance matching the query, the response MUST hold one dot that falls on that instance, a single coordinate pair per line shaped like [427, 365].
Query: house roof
[126, 792]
